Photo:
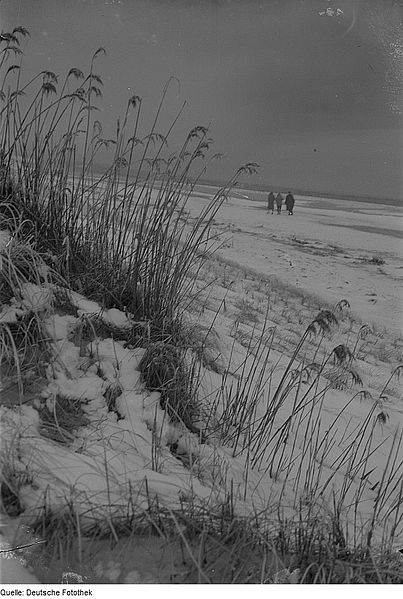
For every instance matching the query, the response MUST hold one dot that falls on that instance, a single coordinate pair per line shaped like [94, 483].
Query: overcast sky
[315, 99]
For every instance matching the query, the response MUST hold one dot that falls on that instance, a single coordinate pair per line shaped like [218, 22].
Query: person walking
[270, 203]
[279, 202]
[289, 203]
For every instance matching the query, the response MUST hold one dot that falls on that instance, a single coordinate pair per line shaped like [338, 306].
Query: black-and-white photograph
[201, 307]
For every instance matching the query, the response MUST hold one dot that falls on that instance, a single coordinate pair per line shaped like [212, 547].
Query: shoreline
[261, 195]
[326, 195]
[354, 254]
[264, 189]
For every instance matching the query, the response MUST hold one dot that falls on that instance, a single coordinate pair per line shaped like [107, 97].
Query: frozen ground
[329, 247]
[273, 270]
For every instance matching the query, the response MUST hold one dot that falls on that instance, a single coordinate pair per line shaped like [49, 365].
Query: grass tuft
[126, 239]
[60, 417]
[164, 369]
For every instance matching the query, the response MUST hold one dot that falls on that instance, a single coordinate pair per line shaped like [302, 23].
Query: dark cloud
[273, 77]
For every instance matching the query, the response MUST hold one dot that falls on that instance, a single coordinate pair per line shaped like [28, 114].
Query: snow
[12, 566]
[113, 316]
[10, 313]
[329, 243]
[35, 298]
[112, 457]
[59, 327]
[124, 452]
[116, 318]
[83, 305]
[13, 570]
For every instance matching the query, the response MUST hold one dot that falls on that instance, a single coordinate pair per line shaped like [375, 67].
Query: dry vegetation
[124, 240]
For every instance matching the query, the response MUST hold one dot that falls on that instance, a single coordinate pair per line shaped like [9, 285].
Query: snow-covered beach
[326, 252]
[334, 248]
[194, 388]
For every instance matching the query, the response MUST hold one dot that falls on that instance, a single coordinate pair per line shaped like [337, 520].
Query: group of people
[278, 200]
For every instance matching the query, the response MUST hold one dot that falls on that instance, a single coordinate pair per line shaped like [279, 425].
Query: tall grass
[123, 237]
[278, 424]
[25, 289]
[214, 548]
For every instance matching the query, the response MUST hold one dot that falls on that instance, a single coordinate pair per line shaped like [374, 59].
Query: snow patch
[35, 298]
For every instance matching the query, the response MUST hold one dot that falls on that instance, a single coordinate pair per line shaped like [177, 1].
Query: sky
[312, 90]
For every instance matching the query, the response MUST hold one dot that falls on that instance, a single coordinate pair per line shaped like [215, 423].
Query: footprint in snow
[287, 258]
